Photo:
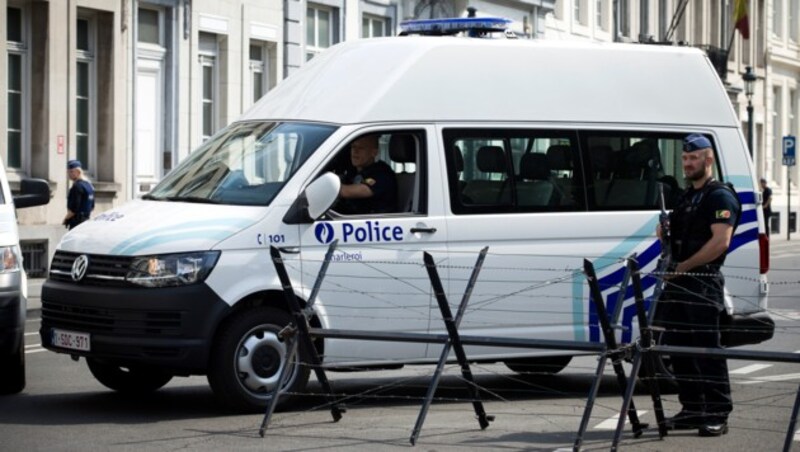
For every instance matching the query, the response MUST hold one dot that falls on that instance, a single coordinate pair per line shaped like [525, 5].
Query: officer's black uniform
[80, 201]
[691, 304]
[380, 178]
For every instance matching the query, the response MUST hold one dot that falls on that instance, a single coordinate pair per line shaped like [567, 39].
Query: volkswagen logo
[79, 267]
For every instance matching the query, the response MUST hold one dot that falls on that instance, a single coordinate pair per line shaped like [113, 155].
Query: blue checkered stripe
[746, 232]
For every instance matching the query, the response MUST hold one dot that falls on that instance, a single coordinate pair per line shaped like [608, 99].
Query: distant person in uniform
[766, 204]
[80, 201]
[372, 187]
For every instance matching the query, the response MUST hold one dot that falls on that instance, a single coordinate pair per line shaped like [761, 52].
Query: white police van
[547, 152]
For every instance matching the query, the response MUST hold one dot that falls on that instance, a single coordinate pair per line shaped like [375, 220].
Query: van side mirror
[32, 192]
[317, 198]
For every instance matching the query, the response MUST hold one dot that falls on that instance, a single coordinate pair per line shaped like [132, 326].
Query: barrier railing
[299, 338]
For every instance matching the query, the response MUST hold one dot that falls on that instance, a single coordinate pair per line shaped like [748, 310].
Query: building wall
[137, 136]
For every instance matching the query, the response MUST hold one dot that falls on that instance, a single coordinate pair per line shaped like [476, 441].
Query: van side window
[512, 170]
[626, 169]
[403, 151]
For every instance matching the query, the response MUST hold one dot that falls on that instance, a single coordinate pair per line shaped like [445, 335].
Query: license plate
[71, 340]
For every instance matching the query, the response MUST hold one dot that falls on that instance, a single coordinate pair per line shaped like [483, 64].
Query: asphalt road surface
[64, 408]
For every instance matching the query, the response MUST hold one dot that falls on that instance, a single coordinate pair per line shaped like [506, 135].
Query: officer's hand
[658, 231]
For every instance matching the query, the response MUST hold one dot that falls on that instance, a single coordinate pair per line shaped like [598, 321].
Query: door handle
[289, 249]
[423, 230]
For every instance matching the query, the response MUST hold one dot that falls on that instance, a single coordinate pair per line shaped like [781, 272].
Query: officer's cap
[72, 164]
[695, 142]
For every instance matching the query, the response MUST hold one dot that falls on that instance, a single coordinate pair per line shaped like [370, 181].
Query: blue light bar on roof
[439, 27]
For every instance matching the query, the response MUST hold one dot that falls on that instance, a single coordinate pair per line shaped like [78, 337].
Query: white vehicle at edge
[547, 152]
[13, 280]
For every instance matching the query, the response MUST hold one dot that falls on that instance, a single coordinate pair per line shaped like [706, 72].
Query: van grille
[121, 322]
[102, 270]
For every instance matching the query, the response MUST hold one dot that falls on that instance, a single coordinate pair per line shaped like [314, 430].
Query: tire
[247, 358]
[544, 365]
[12, 375]
[128, 380]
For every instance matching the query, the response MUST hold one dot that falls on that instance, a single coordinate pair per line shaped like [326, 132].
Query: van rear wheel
[247, 358]
[544, 365]
[130, 380]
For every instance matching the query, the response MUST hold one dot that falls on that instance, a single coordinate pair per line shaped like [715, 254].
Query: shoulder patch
[722, 214]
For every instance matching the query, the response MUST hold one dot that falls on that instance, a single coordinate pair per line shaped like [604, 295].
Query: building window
[793, 112]
[598, 14]
[777, 138]
[624, 18]
[149, 26]
[319, 30]
[576, 11]
[17, 75]
[209, 77]
[777, 18]
[374, 26]
[84, 99]
[259, 73]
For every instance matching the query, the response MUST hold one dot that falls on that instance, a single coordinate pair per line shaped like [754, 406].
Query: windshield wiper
[150, 197]
[195, 199]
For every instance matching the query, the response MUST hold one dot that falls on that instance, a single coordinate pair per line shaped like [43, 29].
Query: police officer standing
[80, 201]
[372, 188]
[702, 226]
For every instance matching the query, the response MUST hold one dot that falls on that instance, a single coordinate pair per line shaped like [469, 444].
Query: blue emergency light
[473, 26]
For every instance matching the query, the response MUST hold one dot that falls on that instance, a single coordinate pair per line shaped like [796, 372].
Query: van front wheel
[132, 380]
[247, 358]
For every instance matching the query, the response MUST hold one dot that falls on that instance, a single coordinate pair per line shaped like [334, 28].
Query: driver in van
[372, 188]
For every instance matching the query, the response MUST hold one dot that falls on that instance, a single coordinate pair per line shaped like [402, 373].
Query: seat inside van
[559, 159]
[492, 188]
[534, 186]
[403, 151]
[634, 177]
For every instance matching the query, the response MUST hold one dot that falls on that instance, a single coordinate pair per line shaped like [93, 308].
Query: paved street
[64, 408]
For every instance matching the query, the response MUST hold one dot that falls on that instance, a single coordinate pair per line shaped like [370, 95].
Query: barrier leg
[289, 336]
[305, 342]
[437, 374]
[611, 342]
[646, 342]
[787, 445]
[455, 341]
[587, 412]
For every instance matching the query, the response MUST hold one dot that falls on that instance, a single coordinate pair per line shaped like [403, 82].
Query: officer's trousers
[689, 310]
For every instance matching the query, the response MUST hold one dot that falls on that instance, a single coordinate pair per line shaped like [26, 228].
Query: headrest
[403, 148]
[459, 159]
[602, 157]
[559, 157]
[491, 159]
[534, 167]
[643, 154]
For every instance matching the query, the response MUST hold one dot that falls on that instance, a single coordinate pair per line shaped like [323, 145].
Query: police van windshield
[246, 164]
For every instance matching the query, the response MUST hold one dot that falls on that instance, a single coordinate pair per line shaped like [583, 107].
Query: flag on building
[740, 19]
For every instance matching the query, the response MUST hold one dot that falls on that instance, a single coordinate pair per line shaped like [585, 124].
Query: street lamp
[749, 87]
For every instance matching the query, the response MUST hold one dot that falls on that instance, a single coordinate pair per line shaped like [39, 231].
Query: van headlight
[172, 270]
[11, 261]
